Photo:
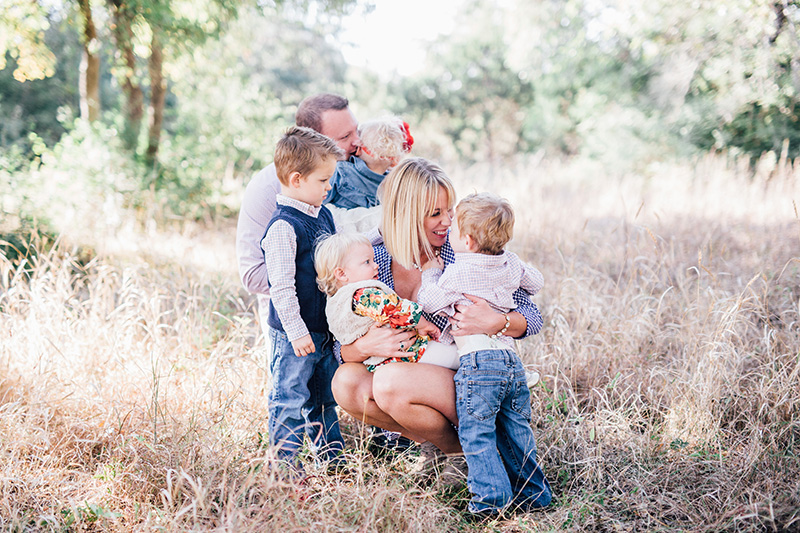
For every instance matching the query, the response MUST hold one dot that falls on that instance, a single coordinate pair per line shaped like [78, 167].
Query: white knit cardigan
[343, 322]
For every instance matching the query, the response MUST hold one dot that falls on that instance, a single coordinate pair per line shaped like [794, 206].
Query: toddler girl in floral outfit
[347, 273]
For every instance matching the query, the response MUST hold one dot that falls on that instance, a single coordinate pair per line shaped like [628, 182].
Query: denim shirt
[354, 185]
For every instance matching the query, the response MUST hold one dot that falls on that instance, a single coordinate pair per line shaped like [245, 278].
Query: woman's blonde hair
[383, 137]
[409, 196]
[330, 255]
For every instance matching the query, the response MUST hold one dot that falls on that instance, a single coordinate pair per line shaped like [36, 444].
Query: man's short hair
[302, 150]
[309, 112]
[488, 219]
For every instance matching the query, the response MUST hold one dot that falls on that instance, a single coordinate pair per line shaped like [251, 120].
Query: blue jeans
[301, 401]
[494, 414]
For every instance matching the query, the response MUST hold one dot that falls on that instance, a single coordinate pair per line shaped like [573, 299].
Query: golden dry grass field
[133, 385]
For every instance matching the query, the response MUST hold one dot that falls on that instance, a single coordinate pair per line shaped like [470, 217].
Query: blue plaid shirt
[525, 306]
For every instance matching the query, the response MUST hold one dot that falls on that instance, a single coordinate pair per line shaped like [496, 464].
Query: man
[328, 114]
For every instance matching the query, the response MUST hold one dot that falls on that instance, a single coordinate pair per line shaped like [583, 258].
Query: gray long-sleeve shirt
[258, 205]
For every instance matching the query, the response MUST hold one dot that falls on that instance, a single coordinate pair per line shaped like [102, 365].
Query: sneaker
[454, 474]
[380, 445]
[480, 517]
[531, 378]
[340, 469]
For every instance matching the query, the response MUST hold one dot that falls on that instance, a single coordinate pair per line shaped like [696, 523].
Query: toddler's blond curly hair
[384, 138]
[330, 255]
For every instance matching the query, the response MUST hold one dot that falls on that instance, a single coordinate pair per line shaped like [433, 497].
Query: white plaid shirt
[495, 278]
[280, 248]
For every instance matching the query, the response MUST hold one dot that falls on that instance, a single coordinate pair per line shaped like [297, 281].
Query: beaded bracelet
[505, 328]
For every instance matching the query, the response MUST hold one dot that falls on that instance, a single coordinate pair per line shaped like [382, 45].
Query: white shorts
[439, 354]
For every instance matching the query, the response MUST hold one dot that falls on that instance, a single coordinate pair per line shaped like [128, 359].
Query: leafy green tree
[713, 74]
[520, 76]
[658, 73]
[746, 89]
[149, 36]
[89, 85]
[233, 97]
[46, 105]
[127, 70]
[22, 35]
[470, 90]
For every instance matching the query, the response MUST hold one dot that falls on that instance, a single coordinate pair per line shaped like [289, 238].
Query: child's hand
[426, 327]
[303, 346]
[436, 262]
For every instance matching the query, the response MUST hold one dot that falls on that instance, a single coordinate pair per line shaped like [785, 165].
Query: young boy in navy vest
[302, 363]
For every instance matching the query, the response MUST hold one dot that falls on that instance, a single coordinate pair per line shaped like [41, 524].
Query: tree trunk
[158, 93]
[89, 83]
[131, 88]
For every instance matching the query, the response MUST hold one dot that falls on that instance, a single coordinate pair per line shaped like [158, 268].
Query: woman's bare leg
[352, 389]
[421, 398]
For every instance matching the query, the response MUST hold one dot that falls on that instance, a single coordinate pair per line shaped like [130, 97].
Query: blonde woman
[418, 401]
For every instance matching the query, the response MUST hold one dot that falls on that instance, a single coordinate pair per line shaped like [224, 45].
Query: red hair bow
[409, 142]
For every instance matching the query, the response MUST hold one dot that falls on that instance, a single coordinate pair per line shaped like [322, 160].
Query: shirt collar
[303, 207]
[481, 259]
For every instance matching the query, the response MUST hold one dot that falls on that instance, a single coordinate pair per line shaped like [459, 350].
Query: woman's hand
[480, 318]
[426, 327]
[378, 342]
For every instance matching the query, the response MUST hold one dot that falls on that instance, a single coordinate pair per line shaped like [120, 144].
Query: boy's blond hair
[302, 150]
[409, 195]
[488, 219]
[384, 137]
[330, 255]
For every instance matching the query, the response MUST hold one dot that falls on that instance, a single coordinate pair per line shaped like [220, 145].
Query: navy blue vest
[308, 231]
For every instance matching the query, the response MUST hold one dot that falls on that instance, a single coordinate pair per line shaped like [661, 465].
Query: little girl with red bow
[384, 142]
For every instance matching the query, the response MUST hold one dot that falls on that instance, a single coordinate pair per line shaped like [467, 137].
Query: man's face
[341, 126]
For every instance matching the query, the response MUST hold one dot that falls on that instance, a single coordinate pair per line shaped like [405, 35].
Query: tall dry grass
[133, 388]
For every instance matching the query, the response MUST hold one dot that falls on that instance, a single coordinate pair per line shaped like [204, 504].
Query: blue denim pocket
[484, 398]
[482, 383]
[521, 396]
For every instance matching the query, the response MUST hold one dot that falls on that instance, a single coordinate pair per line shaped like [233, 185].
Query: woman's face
[439, 220]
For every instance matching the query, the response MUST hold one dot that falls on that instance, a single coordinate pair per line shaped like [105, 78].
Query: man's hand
[303, 346]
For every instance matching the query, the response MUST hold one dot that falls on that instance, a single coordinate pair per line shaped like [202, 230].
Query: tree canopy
[197, 90]
[22, 36]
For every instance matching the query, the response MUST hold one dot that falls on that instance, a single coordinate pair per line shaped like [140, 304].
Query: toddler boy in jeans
[302, 363]
[492, 398]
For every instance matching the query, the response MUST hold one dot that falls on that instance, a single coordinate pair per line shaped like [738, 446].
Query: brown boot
[454, 474]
